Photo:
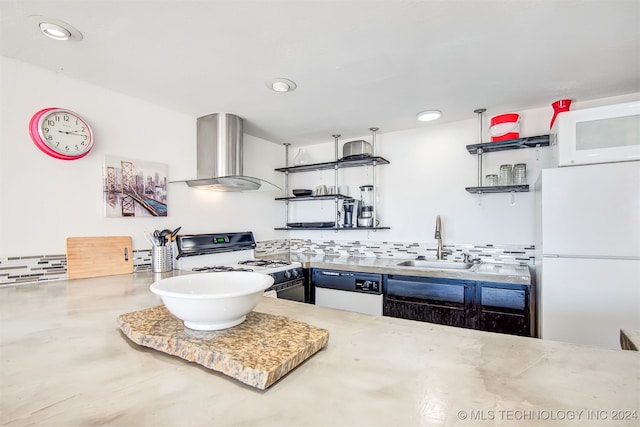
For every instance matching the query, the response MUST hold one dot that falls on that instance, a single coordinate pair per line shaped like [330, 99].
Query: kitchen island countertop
[65, 362]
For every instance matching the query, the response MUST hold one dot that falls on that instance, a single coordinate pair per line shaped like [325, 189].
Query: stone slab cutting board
[257, 352]
[98, 256]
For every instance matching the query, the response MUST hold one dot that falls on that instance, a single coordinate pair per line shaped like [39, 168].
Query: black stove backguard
[203, 244]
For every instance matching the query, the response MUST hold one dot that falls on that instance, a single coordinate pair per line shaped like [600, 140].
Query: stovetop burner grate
[264, 263]
[220, 268]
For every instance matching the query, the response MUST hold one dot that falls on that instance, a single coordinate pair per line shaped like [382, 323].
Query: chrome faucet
[438, 236]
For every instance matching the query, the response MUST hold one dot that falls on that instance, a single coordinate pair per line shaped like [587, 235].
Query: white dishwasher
[345, 290]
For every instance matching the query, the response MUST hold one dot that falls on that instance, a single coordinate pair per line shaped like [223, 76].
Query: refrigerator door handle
[623, 258]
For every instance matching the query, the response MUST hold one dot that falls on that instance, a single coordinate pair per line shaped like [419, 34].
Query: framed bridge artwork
[134, 188]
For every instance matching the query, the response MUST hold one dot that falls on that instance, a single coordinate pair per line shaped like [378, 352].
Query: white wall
[427, 175]
[44, 200]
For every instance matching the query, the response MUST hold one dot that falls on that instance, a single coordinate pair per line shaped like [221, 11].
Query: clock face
[61, 133]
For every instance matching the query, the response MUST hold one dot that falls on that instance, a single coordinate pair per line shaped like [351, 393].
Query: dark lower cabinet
[505, 308]
[309, 291]
[434, 300]
[505, 323]
[494, 307]
[443, 314]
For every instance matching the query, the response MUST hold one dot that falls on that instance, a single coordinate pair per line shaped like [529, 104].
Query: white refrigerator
[588, 252]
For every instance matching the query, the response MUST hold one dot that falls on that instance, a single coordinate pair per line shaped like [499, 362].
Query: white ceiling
[357, 63]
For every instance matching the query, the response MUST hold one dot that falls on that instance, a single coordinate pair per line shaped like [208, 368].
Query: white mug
[343, 190]
[321, 190]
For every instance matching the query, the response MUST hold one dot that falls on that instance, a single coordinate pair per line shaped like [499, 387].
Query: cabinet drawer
[427, 290]
[506, 298]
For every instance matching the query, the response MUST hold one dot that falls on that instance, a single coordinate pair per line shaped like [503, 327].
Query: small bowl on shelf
[299, 192]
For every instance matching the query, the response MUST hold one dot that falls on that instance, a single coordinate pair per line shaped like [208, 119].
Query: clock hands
[72, 132]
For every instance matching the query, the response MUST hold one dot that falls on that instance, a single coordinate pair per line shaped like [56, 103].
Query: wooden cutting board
[98, 256]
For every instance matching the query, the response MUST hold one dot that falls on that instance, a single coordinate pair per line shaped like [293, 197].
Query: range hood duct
[219, 155]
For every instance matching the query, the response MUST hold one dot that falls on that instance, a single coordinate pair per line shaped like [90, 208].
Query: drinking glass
[321, 190]
[506, 175]
[520, 174]
[491, 180]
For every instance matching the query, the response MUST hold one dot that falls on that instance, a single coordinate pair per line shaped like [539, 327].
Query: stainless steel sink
[443, 264]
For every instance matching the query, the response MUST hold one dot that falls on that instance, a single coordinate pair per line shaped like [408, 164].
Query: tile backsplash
[507, 254]
[29, 269]
[46, 268]
[43, 268]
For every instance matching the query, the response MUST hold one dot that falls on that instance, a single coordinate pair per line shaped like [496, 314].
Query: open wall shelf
[333, 228]
[498, 189]
[349, 163]
[511, 144]
[325, 197]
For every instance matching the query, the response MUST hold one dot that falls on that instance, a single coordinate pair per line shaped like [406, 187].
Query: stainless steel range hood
[219, 155]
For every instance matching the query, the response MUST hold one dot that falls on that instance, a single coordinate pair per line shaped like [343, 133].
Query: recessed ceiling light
[281, 85]
[428, 115]
[56, 29]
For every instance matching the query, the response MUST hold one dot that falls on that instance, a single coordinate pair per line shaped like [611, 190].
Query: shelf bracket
[375, 184]
[479, 167]
[479, 112]
[335, 179]
[286, 182]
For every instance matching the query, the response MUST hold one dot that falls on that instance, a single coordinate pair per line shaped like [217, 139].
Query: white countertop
[500, 273]
[64, 362]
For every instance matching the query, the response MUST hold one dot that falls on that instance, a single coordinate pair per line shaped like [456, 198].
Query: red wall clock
[61, 134]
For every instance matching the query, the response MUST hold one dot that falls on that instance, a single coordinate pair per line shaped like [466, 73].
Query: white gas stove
[235, 252]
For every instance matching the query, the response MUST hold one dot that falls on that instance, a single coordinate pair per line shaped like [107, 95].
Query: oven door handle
[335, 274]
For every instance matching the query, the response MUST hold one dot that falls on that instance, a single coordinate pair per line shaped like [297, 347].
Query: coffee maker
[365, 211]
[350, 212]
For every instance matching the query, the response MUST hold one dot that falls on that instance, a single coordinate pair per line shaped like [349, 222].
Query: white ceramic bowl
[212, 301]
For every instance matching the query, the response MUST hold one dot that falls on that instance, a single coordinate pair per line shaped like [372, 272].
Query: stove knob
[295, 274]
[287, 274]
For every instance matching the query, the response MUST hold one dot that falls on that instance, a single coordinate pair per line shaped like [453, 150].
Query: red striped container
[505, 126]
